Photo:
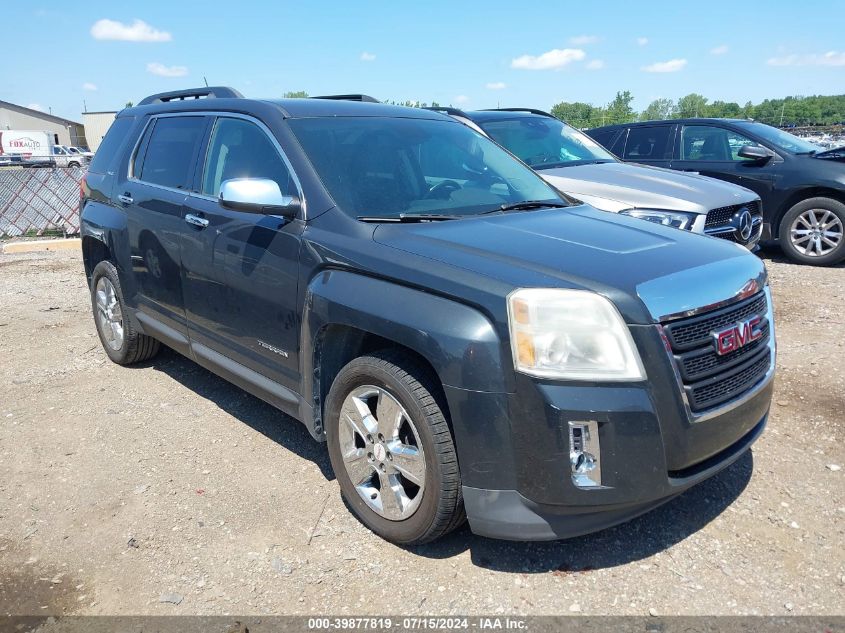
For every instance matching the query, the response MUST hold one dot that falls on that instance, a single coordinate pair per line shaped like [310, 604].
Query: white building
[65, 131]
[96, 125]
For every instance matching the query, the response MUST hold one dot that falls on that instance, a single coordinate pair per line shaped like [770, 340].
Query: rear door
[152, 191]
[241, 269]
[649, 144]
[713, 150]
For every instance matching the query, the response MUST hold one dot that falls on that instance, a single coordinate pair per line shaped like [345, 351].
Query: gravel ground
[162, 489]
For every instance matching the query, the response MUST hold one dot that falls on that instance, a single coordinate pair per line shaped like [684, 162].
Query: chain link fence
[33, 201]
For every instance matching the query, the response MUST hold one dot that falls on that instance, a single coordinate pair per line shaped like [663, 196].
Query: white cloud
[642, 41]
[461, 99]
[138, 31]
[720, 50]
[583, 40]
[89, 86]
[553, 59]
[672, 66]
[166, 71]
[368, 57]
[595, 64]
[36, 106]
[830, 58]
[496, 85]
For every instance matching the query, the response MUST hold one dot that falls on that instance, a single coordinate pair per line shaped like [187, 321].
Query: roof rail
[351, 97]
[447, 110]
[219, 92]
[531, 110]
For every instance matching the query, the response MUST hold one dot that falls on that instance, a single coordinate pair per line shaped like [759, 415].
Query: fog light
[585, 454]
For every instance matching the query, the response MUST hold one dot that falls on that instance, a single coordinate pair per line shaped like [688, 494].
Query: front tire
[392, 450]
[811, 232]
[121, 341]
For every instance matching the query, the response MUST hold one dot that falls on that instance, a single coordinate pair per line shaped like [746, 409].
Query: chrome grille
[723, 215]
[710, 379]
[722, 223]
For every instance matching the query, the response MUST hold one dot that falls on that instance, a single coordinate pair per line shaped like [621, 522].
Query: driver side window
[241, 149]
[708, 143]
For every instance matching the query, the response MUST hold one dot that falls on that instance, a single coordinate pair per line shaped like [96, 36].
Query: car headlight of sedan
[570, 335]
[675, 219]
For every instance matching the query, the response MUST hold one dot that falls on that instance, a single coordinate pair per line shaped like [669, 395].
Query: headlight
[675, 219]
[572, 335]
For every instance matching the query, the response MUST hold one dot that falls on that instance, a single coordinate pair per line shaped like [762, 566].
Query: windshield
[543, 142]
[387, 167]
[783, 140]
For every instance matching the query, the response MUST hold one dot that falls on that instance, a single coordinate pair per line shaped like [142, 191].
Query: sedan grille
[710, 379]
[723, 222]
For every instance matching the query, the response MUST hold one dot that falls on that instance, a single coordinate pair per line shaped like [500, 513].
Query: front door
[714, 151]
[240, 269]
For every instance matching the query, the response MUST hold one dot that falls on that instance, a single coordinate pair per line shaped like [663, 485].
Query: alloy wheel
[816, 232]
[382, 452]
[109, 314]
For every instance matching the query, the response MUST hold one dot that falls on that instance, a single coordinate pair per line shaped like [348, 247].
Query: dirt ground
[161, 489]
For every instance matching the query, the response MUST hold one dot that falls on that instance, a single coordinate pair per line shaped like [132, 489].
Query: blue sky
[472, 55]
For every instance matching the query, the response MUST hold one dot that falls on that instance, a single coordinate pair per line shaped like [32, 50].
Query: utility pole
[781, 112]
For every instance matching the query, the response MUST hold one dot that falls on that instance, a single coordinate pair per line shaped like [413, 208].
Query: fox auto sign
[738, 335]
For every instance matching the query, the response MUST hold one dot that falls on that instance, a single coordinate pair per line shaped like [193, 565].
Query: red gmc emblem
[738, 335]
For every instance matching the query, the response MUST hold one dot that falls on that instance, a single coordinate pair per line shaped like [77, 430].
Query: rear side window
[648, 143]
[112, 141]
[604, 137]
[171, 151]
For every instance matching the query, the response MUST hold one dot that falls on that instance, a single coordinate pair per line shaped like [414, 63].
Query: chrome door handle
[196, 220]
[125, 198]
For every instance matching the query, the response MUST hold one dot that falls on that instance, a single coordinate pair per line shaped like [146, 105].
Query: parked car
[63, 157]
[82, 151]
[466, 340]
[578, 166]
[801, 185]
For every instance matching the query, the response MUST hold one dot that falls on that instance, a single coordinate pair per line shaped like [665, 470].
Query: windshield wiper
[527, 205]
[410, 217]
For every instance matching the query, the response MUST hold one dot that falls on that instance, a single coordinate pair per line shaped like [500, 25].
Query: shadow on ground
[635, 540]
[250, 410]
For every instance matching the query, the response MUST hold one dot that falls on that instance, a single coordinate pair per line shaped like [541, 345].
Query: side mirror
[755, 152]
[258, 195]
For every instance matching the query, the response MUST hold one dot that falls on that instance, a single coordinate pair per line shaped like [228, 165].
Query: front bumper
[514, 448]
[507, 514]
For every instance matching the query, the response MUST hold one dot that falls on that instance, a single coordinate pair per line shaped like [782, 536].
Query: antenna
[205, 80]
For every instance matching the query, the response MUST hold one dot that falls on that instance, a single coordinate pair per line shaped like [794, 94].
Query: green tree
[619, 110]
[298, 94]
[724, 109]
[691, 105]
[129, 104]
[579, 114]
[658, 109]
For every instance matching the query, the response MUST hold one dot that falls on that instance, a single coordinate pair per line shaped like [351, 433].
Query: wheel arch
[348, 315]
[805, 193]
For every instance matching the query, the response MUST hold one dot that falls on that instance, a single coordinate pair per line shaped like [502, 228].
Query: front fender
[458, 341]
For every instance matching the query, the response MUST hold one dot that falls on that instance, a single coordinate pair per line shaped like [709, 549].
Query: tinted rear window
[171, 151]
[112, 141]
[648, 143]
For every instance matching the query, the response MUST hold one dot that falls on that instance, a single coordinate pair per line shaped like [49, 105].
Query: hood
[647, 270]
[639, 186]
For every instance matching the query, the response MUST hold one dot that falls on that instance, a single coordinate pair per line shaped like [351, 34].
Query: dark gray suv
[466, 341]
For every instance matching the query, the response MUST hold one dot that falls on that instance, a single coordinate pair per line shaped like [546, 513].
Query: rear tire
[386, 430]
[811, 232]
[121, 341]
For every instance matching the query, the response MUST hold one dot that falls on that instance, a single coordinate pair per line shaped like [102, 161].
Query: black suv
[801, 185]
[466, 341]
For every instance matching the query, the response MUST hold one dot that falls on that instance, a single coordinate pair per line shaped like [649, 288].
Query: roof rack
[447, 110]
[531, 110]
[218, 92]
[351, 97]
